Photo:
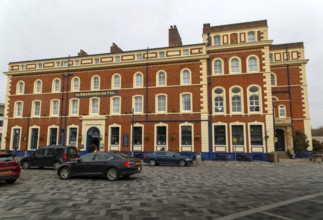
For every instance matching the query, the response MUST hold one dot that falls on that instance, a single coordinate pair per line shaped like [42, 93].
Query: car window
[161, 153]
[169, 154]
[87, 157]
[103, 157]
[122, 155]
[177, 154]
[6, 157]
[40, 152]
[71, 150]
[50, 152]
[59, 151]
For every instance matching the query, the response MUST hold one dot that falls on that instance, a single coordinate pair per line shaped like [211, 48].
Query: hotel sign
[95, 93]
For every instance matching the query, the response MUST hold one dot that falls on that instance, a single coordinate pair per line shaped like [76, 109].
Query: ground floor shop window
[186, 135]
[137, 135]
[72, 136]
[219, 135]
[161, 135]
[115, 137]
[16, 138]
[34, 138]
[237, 135]
[256, 135]
[53, 136]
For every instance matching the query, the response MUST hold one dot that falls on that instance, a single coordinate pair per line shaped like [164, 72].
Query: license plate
[139, 168]
[72, 159]
[138, 163]
[5, 172]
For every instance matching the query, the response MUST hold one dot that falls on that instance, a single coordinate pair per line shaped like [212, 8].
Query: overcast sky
[39, 29]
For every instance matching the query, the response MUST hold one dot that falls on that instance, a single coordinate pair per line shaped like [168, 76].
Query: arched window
[236, 102]
[282, 111]
[273, 79]
[217, 40]
[235, 65]
[161, 78]
[54, 108]
[95, 83]
[254, 99]
[76, 84]
[38, 86]
[116, 81]
[56, 85]
[218, 100]
[252, 64]
[186, 77]
[218, 67]
[20, 87]
[18, 109]
[251, 36]
[138, 80]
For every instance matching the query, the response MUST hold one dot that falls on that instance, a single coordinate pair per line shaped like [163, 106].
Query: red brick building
[235, 92]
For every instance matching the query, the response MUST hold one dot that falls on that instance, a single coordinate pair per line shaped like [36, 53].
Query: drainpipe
[147, 84]
[209, 86]
[289, 93]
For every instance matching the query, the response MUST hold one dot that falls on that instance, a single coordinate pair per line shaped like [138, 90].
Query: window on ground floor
[137, 135]
[219, 135]
[256, 135]
[115, 136]
[161, 135]
[186, 135]
[237, 135]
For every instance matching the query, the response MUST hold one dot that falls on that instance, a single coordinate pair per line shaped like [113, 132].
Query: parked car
[102, 164]
[9, 168]
[50, 156]
[167, 157]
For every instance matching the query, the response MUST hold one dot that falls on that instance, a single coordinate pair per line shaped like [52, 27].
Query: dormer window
[251, 36]
[139, 56]
[185, 52]
[162, 54]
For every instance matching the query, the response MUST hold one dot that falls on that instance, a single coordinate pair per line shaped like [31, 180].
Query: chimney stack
[82, 53]
[174, 39]
[115, 49]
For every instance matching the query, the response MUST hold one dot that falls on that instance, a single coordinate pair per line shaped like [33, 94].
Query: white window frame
[115, 85]
[19, 114]
[230, 65]
[251, 36]
[52, 108]
[255, 66]
[214, 69]
[226, 135]
[72, 110]
[280, 108]
[263, 133]
[97, 60]
[112, 105]
[36, 91]
[180, 135]
[185, 52]
[134, 104]
[33, 110]
[91, 106]
[259, 94]
[241, 100]
[136, 82]
[95, 85]
[54, 85]
[214, 95]
[273, 76]
[184, 78]
[30, 135]
[48, 133]
[68, 134]
[12, 137]
[231, 135]
[182, 104]
[73, 84]
[215, 41]
[157, 103]
[158, 146]
[20, 87]
[109, 138]
[161, 54]
[158, 83]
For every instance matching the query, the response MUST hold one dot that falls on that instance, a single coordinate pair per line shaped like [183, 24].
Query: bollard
[275, 158]
[198, 158]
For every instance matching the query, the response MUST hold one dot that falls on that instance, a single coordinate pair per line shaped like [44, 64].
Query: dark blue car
[167, 157]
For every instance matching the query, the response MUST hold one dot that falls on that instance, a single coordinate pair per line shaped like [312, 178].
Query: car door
[49, 157]
[99, 164]
[38, 158]
[170, 157]
[161, 157]
[82, 165]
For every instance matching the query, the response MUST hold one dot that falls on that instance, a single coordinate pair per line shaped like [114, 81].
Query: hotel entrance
[93, 139]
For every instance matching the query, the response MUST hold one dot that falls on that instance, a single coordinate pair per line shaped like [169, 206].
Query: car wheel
[11, 181]
[26, 165]
[65, 173]
[152, 162]
[181, 163]
[112, 174]
[56, 165]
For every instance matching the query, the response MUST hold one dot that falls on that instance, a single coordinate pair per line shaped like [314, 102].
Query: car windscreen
[6, 157]
[122, 156]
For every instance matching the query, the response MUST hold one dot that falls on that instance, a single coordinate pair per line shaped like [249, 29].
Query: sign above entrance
[95, 93]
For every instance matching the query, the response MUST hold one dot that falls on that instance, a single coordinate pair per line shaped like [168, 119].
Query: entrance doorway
[280, 142]
[93, 139]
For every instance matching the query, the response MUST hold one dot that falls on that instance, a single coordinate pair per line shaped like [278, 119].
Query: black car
[50, 156]
[102, 164]
[167, 157]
